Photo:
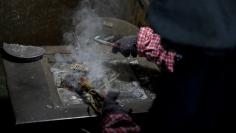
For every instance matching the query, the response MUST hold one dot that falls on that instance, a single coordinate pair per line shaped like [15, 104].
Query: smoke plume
[86, 24]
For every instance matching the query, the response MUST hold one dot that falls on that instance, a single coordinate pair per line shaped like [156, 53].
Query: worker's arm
[146, 44]
[115, 118]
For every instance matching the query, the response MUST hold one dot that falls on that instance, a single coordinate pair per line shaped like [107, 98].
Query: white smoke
[86, 25]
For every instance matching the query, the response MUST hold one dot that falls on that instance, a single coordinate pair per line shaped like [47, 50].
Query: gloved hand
[110, 106]
[115, 118]
[126, 46]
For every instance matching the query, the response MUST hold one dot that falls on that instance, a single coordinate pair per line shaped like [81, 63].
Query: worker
[193, 42]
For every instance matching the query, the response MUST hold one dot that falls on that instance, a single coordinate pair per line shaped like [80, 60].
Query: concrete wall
[34, 21]
[43, 22]
[138, 9]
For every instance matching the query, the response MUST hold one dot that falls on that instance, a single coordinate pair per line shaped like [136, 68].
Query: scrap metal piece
[108, 24]
[104, 42]
[79, 67]
[108, 82]
[30, 53]
[85, 84]
[109, 38]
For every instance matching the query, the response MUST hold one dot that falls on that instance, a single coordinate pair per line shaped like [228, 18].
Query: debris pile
[74, 86]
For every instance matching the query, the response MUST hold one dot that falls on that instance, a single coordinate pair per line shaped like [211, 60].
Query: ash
[71, 71]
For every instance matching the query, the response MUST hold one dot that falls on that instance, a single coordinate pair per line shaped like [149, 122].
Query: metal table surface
[34, 99]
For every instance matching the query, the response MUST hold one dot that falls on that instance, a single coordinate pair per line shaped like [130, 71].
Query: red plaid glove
[146, 44]
[149, 46]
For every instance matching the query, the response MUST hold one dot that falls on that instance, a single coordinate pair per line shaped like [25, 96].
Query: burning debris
[75, 87]
[79, 67]
[73, 84]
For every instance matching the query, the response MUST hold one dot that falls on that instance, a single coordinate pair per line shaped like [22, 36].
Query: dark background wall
[43, 22]
[38, 22]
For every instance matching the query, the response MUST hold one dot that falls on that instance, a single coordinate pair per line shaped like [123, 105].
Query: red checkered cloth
[119, 123]
[149, 46]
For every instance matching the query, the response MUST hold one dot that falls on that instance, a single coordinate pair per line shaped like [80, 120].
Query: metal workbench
[35, 99]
